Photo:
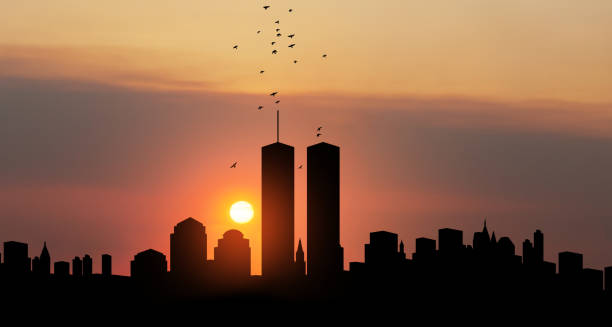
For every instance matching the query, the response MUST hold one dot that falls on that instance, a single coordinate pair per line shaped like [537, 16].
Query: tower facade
[325, 255]
[277, 208]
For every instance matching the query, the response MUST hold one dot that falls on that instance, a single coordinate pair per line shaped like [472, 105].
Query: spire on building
[300, 250]
[45, 252]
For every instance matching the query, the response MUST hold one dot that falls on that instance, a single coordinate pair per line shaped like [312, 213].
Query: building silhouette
[107, 265]
[570, 264]
[188, 253]
[528, 253]
[482, 242]
[300, 263]
[382, 251]
[233, 255]
[277, 207]
[325, 255]
[538, 246]
[148, 264]
[41, 266]
[61, 269]
[77, 267]
[16, 260]
[450, 241]
[87, 265]
[425, 250]
[45, 261]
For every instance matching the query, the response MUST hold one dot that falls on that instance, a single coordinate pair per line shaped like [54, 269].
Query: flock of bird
[278, 34]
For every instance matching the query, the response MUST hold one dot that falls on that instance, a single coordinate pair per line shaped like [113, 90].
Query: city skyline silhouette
[446, 264]
[403, 159]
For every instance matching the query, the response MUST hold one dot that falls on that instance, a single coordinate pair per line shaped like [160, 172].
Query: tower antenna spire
[277, 125]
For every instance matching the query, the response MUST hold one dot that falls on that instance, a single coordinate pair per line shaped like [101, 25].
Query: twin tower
[325, 255]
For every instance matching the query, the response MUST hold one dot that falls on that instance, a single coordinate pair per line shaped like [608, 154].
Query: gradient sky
[119, 119]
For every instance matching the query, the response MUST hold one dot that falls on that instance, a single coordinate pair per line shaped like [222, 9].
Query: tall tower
[45, 261]
[538, 246]
[277, 209]
[325, 255]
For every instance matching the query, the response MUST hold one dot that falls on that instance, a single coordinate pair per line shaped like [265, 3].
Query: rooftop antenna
[277, 126]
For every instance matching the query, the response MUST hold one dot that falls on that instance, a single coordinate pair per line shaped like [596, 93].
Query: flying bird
[235, 47]
[300, 167]
[260, 107]
[324, 56]
[290, 35]
[274, 51]
[292, 45]
[277, 22]
[261, 71]
[266, 7]
[319, 128]
[277, 101]
[234, 164]
[278, 34]
[258, 32]
[290, 10]
[295, 61]
[319, 134]
[274, 93]
[278, 29]
[273, 42]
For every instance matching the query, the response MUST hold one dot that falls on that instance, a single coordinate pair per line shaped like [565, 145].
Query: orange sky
[551, 49]
[121, 118]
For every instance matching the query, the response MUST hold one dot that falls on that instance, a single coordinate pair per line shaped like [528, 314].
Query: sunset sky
[119, 119]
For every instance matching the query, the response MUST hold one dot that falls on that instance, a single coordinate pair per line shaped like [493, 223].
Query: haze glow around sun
[241, 212]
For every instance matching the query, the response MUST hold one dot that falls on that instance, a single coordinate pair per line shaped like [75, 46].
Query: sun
[241, 212]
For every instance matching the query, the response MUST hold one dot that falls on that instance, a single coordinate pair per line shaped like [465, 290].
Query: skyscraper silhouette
[538, 246]
[277, 207]
[425, 250]
[325, 255]
[87, 265]
[570, 264]
[233, 255]
[77, 267]
[528, 253]
[16, 260]
[382, 251]
[61, 269]
[450, 240]
[107, 268]
[482, 241]
[188, 247]
[41, 266]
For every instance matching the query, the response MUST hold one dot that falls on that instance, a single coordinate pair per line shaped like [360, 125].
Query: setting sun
[241, 212]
